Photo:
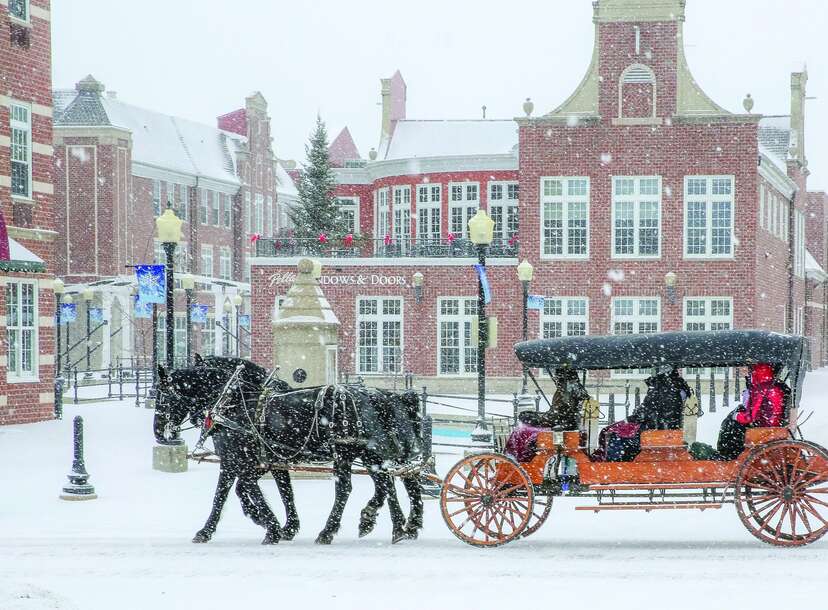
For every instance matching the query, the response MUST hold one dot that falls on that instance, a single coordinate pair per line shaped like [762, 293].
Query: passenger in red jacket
[765, 404]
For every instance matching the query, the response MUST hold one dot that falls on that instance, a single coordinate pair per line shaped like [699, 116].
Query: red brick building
[117, 166]
[636, 181]
[27, 224]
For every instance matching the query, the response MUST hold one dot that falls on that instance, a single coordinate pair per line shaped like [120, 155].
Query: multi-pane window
[382, 224]
[457, 353]
[348, 214]
[206, 260]
[225, 264]
[260, 214]
[204, 208]
[179, 339]
[248, 213]
[215, 217]
[636, 216]
[269, 216]
[208, 337]
[428, 211]
[227, 215]
[21, 150]
[464, 199]
[21, 330]
[156, 197]
[564, 317]
[181, 201]
[503, 209]
[565, 217]
[402, 215]
[19, 9]
[379, 335]
[632, 316]
[708, 313]
[799, 243]
[708, 216]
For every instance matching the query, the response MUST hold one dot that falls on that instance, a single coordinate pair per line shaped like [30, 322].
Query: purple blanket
[521, 442]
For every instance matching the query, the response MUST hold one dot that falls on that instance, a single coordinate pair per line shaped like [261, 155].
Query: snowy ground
[131, 548]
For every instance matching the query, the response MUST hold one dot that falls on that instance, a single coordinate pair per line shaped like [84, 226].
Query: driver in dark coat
[565, 411]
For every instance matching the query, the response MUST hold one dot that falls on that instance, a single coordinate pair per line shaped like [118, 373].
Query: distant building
[27, 227]
[643, 205]
[117, 167]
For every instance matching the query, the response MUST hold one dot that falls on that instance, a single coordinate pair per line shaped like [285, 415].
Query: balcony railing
[380, 248]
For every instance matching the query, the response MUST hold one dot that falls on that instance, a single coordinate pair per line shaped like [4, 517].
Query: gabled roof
[343, 149]
[775, 139]
[412, 139]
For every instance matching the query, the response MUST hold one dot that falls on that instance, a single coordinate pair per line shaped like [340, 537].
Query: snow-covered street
[131, 548]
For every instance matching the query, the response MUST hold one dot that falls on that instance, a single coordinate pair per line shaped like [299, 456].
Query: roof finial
[528, 106]
[748, 103]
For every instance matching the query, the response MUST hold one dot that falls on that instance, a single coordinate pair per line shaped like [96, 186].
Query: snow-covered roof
[19, 252]
[775, 139]
[412, 139]
[284, 184]
[813, 268]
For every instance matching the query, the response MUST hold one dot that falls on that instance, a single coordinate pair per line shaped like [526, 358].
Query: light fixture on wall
[418, 287]
[670, 280]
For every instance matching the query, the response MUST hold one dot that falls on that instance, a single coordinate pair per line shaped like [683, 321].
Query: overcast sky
[200, 58]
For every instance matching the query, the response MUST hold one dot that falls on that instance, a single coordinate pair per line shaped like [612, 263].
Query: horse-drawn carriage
[779, 483]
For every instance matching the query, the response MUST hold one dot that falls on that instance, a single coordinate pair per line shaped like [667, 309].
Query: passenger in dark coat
[663, 406]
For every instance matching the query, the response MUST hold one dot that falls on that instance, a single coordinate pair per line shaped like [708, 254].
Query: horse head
[182, 394]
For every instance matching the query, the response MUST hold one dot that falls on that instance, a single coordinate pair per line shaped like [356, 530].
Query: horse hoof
[324, 538]
[365, 528]
[272, 537]
[289, 532]
[399, 536]
[202, 537]
[411, 534]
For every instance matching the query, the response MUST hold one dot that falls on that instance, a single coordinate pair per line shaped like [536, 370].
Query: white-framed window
[708, 313]
[181, 207]
[799, 321]
[179, 338]
[379, 335]
[259, 213]
[248, 213]
[225, 263]
[636, 315]
[19, 10]
[20, 116]
[457, 354]
[382, 220]
[204, 208]
[564, 317]
[504, 209]
[429, 198]
[464, 200]
[216, 209]
[269, 216]
[565, 217]
[21, 330]
[348, 213]
[402, 215]
[636, 217]
[799, 243]
[207, 259]
[708, 216]
[156, 197]
[227, 212]
[208, 337]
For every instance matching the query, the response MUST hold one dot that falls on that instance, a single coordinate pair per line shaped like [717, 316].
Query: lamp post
[525, 273]
[481, 233]
[228, 307]
[237, 301]
[67, 300]
[59, 287]
[418, 287]
[188, 283]
[168, 226]
[88, 295]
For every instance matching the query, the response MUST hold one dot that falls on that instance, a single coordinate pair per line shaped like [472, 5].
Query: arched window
[637, 93]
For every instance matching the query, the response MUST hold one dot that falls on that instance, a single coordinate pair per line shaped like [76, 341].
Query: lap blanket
[521, 442]
[619, 442]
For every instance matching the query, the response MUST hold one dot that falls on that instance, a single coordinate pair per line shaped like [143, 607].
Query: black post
[76, 384]
[712, 407]
[481, 433]
[226, 342]
[525, 333]
[189, 323]
[698, 388]
[515, 409]
[154, 349]
[78, 487]
[57, 334]
[169, 250]
[68, 360]
[58, 397]
[88, 334]
[611, 409]
[238, 333]
[726, 389]
[736, 390]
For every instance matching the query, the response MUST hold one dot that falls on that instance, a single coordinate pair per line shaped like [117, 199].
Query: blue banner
[142, 310]
[535, 301]
[198, 313]
[96, 315]
[68, 313]
[151, 283]
[484, 282]
[244, 320]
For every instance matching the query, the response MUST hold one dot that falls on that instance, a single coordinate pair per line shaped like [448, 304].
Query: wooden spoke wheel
[487, 499]
[782, 493]
[542, 506]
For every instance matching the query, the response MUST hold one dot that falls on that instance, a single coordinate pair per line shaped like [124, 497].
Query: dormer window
[637, 93]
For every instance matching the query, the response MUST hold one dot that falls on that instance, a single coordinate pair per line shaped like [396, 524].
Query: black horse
[253, 435]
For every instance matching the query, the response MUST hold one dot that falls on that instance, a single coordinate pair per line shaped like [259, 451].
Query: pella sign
[343, 279]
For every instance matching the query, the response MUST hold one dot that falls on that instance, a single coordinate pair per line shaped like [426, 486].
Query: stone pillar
[306, 333]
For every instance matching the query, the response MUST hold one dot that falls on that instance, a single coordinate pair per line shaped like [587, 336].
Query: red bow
[255, 237]
[387, 239]
[451, 237]
[348, 240]
[323, 239]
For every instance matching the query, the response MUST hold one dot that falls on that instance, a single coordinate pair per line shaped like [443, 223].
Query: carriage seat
[759, 436]
[663, 446]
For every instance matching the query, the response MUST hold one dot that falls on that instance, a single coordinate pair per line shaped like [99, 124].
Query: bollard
[137, 387]
[78, 487]
[712, 406]
[120, 382]
[611, 409]
[59, 397]
[737, 394]
[726, 390]
[430, 488]
[109, 383]
[698, 387]
[637, 397]
[424, 400]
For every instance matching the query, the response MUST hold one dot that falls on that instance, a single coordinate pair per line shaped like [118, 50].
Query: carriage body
[779, 484]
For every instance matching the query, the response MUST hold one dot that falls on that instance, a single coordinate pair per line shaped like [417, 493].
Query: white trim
[505, 204]
[27, 128]
[564, 318]
[440, 165]
[636, 319]
[463, 205]
[635, 199]
[40, 13]
[564, 199]
[778, 180]
[430, 207]
[352, 206]
[709, 199]
[461, 318]
[34, 375]
[708, 318]
[379, 318]
[405, 261]
[144, 170]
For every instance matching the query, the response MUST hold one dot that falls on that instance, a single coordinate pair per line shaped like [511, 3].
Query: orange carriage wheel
[540, 511]
[487, 499]
[782, 492]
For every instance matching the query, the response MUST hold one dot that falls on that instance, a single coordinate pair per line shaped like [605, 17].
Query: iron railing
[382, 248]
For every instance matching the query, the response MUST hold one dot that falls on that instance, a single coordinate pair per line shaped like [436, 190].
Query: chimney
[393, 103]
[798, 82]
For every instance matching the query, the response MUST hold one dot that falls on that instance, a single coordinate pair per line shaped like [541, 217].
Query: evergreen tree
[317, 210]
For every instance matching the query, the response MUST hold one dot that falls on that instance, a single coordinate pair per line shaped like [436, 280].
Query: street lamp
[525, 273]
[67, 300]
[88, 295]
[188, 284]
[418, 287]
[237, 301]
[670, 280]
[59, 287]
[481, 233]
[228, 307]
[168, 226]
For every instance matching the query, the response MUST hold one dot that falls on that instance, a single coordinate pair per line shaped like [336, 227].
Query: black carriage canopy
[724, 348]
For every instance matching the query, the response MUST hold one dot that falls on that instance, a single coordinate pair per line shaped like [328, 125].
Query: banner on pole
[68, 313]
[244, 320]
[198, 313]
[484, 283]
[151, 283]
[142, 310]
[535, 301]
[96, 315]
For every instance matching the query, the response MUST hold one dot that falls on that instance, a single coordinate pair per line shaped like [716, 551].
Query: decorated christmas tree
[316, 215]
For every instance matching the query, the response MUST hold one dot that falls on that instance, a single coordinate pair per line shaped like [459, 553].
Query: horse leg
[415, 497]
[368, 515]
[225, 482]
[255, 507]
[343, 486]
[291, 528]
[397, 516]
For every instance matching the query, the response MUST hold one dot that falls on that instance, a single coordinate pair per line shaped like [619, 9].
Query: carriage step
[656, 486]
[648, 507]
